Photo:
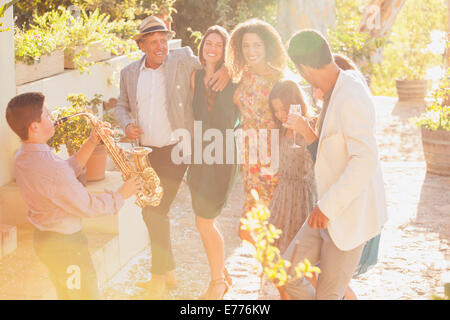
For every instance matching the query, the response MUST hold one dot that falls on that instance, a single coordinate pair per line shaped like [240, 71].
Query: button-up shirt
[152, 106]
[55, 199]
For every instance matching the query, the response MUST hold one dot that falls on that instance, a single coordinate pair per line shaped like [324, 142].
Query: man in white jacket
[351, 208]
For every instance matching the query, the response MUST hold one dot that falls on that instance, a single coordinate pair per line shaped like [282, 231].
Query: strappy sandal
[212, 284]
[227, 277]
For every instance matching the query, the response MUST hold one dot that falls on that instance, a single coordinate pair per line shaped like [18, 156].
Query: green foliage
[405, 52]
[437, 116]
[232, 12]
[77, 31]
[405, 55]
[197, 38]
[412, 35]
[30, 45]
[123, 31]
[3, 9]
[110, 117]
[346, 39]
[75, 131]
[130, 9]
[275, 268]
[89, 27]
[193, 15]
[116, 9]
[24, 10]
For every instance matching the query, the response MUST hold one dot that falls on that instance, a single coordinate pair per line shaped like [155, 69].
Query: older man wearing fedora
[155, 100]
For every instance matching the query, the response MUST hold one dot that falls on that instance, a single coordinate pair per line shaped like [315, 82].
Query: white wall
[8, 140]
[103, 78]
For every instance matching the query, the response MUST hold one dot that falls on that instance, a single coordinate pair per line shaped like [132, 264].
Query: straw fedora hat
[152, 24]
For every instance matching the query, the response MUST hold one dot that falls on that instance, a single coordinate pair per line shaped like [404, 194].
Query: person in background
[56, 201]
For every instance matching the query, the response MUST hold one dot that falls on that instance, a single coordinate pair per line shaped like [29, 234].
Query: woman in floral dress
[256, 58]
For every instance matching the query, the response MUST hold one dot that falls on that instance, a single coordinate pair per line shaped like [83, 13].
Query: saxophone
[129, 162]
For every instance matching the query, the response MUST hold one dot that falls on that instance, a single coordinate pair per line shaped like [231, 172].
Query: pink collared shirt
[56, 200]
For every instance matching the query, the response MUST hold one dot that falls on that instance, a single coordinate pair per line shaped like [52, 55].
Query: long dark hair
[210, 94]
[289, 93]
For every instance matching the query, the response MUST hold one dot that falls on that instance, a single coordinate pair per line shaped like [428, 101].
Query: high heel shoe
[228, 280]
[227, 277]
[212, 285]
[283, 294]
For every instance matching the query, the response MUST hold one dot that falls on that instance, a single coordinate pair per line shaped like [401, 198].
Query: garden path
[414, 250]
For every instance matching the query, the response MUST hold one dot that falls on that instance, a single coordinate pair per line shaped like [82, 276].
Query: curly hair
[276, 55]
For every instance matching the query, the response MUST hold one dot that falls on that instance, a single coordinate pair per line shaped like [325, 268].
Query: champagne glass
[295, 109]
[134, 142]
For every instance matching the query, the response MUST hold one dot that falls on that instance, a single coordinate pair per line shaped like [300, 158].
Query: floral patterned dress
[252, 100]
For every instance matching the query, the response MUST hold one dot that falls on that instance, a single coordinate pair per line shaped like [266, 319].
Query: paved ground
[414, 250]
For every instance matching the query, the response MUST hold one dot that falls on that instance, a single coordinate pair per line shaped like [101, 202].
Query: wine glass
[134, 142]
[295, 109]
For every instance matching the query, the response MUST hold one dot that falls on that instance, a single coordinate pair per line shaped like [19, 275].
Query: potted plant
[418, 19]
[74, 132]
[123, 31]
[37, 55]
[87, 40]
[435, 129]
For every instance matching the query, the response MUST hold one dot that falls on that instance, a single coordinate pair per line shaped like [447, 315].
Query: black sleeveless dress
[210, 184]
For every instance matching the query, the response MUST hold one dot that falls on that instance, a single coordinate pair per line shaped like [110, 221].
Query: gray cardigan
[179, 65]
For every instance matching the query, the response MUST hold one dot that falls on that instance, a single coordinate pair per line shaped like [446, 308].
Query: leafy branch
[3, 9]
[274, 267]
[437, 116]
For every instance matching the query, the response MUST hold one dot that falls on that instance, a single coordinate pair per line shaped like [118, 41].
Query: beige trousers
[337, 266]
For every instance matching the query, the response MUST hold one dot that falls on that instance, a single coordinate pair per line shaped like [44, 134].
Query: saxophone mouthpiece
[60, 121]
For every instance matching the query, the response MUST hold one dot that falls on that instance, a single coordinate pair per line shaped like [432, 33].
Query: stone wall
[8, 140]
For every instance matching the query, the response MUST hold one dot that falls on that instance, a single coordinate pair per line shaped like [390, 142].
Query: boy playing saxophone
[56, 201]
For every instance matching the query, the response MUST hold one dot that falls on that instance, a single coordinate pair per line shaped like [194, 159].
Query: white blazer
[349, 179]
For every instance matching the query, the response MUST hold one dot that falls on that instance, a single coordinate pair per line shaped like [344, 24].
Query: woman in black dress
[210, 182]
